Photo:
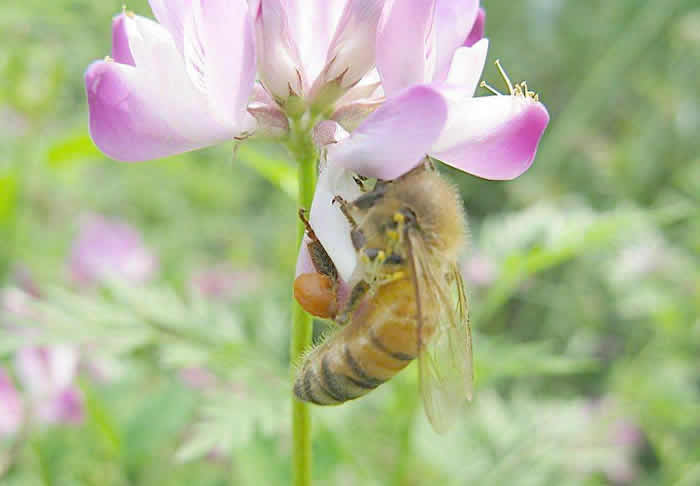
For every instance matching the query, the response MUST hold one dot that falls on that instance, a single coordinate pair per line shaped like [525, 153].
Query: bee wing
[445, 359]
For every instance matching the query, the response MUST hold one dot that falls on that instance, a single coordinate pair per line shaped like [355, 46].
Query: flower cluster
[47, 374]
[380, 83]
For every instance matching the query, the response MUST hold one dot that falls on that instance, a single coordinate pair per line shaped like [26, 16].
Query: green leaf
[72, 149]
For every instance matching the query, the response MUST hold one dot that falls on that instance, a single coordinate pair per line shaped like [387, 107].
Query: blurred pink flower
[479, 270]
[11, 408]
[223, 282]
[106, 248]
[613, 430]
[198, 378]
[47, 375]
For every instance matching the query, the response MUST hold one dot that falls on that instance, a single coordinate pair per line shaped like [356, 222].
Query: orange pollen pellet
[316, 294]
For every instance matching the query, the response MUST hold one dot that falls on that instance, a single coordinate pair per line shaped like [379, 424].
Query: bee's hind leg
[319, 257]
[357, 293]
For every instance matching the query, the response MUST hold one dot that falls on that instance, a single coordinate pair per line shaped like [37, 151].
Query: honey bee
[407, 298]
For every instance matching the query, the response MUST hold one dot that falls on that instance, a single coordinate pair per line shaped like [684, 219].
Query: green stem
[303, 149]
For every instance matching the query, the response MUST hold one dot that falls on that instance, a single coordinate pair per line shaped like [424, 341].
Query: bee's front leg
[346, 209]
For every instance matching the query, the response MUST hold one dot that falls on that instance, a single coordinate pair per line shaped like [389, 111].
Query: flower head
[429, 61]
[11, 408]
[47, 374]
[189, 80]
[385, 81]
[105, 248]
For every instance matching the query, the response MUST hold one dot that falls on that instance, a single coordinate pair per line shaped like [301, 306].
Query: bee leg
[319, 257]
[356, 294]
[346, 209]
[360, 181]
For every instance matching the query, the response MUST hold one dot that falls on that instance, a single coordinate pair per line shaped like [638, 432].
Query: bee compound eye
[316, 294]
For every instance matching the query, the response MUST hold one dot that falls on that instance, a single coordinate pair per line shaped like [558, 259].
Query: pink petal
[328, 132]
[278, 59]
[110, 249]
[467, 66]
[227, 39]
[65, 407]
[131, 121]
[171, 14]
[351, 115]
[11, 409]
[404, 38]
[477, 31]
[121, 52]
[454, 20]
[313, 23]
[494, 137]
[270, 120]
[393, 139]
[369, 87]
[304, 263]
[151, 109]
[44, 370]
[351, 52]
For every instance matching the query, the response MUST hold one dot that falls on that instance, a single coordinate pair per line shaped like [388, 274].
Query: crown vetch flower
[395, 79]
[189, 80]
[11, 409]
[429, 57]
[47, 374]
[107, 249]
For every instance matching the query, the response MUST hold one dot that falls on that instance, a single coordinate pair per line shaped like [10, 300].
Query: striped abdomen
[379, 342]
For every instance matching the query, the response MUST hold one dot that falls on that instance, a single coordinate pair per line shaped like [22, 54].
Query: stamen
[109, 59]
[490, 88]
[519, 89]
[505, 77]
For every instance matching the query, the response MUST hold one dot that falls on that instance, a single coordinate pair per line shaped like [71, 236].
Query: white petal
[328, 222]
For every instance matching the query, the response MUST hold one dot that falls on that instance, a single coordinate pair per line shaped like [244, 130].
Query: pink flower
[385, 82]
[47, 375]
[105, 248]
[11, 409]
[429, 61]
[198, 378]
[223, 282]
[479, 270]
[189, 81]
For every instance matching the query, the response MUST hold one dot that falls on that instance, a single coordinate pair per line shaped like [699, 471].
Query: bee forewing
[445, 361]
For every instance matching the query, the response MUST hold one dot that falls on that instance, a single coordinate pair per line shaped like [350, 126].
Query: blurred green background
[583, 276]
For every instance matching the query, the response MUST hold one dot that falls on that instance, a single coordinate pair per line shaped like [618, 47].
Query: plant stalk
[305, 153]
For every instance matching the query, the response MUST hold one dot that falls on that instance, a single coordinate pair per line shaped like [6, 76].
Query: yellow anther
[397, 275]
[392, 234]
[381, 256]
[519, 89]
[399, 218]
[364, 258]
[493, 90]
[505, 77]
